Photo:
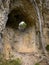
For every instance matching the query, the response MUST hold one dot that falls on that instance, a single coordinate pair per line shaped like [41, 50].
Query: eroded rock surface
[23, 44]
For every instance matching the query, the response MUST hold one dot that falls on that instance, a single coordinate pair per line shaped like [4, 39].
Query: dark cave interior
[15, 17]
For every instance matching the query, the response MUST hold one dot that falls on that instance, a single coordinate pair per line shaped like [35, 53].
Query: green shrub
[11, 62]
[36, 63]
[47, 47]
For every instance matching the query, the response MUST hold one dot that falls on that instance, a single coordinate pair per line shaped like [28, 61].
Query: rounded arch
[16, 16]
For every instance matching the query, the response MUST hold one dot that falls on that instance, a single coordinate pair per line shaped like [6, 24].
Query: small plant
[11, 62]
[36, 63]
[22, 25]
[47, 47]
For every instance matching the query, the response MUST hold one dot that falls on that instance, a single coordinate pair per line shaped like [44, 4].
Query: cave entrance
[15, 18]
[19, 41]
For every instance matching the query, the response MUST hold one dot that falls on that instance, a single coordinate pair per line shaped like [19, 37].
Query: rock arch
[23, 10]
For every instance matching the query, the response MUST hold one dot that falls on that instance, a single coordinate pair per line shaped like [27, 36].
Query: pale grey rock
[3, 20]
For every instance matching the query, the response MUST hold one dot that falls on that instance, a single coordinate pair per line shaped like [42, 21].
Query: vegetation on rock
[47, 47]
[37, 64]
[11, 62]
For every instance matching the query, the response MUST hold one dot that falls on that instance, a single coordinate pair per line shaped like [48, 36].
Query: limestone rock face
[23, 44]
[3, 20]
[20, 10]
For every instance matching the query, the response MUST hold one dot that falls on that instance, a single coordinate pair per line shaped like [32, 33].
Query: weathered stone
[3, 20]
[17, 42]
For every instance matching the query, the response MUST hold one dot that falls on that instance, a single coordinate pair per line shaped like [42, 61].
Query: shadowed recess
[15, 17]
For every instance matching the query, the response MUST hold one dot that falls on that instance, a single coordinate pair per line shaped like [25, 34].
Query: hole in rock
[15, 18]
[20, 41]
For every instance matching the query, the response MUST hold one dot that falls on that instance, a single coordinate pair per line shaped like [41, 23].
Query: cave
[28, 41]
[15, 17]
[16, 40]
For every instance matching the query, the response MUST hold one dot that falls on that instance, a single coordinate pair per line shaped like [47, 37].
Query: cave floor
[21, 45]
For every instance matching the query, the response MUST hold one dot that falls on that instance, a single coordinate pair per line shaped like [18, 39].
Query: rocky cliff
[29, 43]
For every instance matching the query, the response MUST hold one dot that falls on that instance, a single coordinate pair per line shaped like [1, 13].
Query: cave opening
[20, 41]
[15, 17]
